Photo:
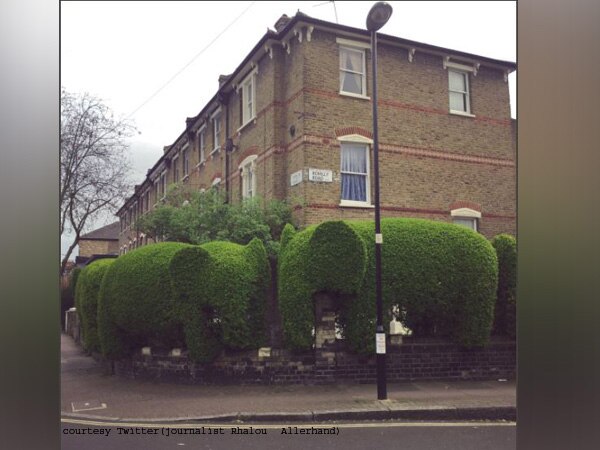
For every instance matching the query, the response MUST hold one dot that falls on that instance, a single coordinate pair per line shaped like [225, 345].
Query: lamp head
[378, 16]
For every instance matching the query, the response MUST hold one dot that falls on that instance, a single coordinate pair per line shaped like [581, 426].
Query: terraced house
[293, 122]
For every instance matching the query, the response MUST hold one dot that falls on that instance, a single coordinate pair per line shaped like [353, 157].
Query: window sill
[354, 204]
[251, 121]
[215, 150]
[353, 95]
[461, 113]
[184, 179]
[201, 163]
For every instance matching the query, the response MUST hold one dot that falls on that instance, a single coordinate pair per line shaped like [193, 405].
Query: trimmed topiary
[442, 278]
[136, 305]
[86, 301]
[328, 257]
[505, 321]
[223, 287]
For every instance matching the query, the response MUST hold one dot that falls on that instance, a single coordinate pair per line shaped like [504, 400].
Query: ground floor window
[355, 172]
[469, 222]
[466, 217]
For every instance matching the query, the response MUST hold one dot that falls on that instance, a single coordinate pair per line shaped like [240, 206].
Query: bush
[136, 304]
[164, 295]
[207, 217]
[442, 278]
[86, 301]
[223, 287]
[506, 303]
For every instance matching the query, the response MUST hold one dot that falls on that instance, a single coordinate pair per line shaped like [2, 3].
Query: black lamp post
[377, 18]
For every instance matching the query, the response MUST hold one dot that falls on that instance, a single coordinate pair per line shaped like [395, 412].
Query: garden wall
[412, 360]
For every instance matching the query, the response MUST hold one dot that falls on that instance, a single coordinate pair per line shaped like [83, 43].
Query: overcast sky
[124, 52]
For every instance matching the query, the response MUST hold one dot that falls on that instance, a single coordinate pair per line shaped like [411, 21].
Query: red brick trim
[465, 204]
[437, 154]
[398, 209]
[418, 108]
[353, 130]
[249, 151]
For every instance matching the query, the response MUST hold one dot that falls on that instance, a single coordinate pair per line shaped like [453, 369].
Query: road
[405, 436]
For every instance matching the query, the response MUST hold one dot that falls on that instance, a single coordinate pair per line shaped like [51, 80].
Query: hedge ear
[255, 249]
[338, 258]
[287, 235]
[187, 269]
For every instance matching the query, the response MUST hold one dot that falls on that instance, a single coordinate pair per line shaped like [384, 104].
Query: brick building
[102, 241]
[293, 121]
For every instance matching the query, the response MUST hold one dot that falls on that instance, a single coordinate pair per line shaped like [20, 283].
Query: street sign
[296, 178]
[322, 175]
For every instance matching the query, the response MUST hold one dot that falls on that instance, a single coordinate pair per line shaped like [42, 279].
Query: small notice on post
[380, 343]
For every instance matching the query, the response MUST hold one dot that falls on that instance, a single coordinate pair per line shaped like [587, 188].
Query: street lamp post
[378, 16]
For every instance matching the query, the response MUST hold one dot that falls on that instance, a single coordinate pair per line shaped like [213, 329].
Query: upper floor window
[157, 191]
[248, 88]
[355, 174]
[163, 185]
[353, 78]
[185, 156]
[248, 173]
[147, 200]
[202, 144]
[176, 169]
[217, 132]
[458, 88]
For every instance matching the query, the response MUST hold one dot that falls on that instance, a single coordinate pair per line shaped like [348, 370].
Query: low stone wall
[72, 325]
[412, 360]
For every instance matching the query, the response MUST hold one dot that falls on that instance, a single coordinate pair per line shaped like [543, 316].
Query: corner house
[293, 122]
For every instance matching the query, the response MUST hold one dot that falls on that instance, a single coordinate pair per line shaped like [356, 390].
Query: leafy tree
[198, 217]
[93, 163]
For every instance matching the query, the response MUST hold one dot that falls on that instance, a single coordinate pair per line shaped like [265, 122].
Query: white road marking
[278, 426]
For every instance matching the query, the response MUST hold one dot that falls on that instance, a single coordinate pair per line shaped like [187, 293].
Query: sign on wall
[322, 175]
[296, 178]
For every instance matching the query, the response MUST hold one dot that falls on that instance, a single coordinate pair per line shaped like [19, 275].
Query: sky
[157, 63]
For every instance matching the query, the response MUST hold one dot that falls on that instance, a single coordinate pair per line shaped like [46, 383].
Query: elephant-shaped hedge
[205, 298]
[439, 277]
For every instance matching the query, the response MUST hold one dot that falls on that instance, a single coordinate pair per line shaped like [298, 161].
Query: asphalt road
[405, 436]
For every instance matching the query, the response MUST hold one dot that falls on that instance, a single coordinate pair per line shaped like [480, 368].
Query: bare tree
[93, 163]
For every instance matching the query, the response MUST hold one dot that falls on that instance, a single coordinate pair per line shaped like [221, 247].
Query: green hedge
[209, 297]
[223, 287]
[442, 278]
[86, 301]
[506, 303]
[136, 305]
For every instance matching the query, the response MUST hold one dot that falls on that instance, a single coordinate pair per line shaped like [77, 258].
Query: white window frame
[185, 161]
[360, 49]
[176, 169]
[216, 118]
[248, 167]
[248, 86]
[357, 139]
[466, 93]
[466, 214]
[147, 200]
[202, 144]
[163, 184]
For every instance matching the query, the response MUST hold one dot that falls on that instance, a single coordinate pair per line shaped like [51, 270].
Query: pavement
[89, 393]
